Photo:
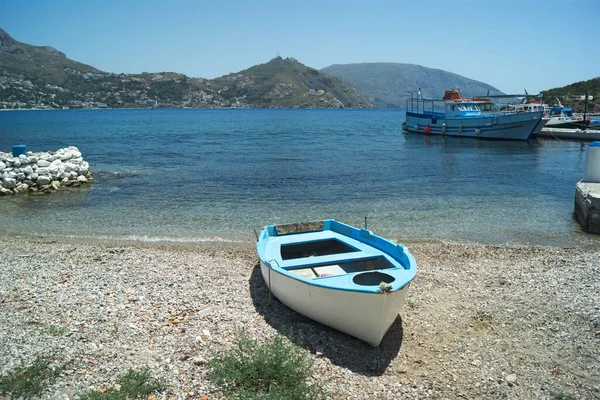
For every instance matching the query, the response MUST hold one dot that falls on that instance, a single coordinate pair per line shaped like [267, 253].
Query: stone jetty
[42, 172]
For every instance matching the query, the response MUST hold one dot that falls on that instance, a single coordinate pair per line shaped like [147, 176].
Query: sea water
[195, 175]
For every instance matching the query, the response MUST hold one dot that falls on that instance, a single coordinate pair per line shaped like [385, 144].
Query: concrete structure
[587, 206]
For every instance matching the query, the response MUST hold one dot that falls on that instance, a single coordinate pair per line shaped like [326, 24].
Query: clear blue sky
[509, 44]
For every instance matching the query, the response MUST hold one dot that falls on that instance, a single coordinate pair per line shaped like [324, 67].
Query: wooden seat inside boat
[342, 268]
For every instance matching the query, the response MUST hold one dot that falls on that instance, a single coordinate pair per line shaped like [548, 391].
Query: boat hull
[564, 124]
[588, 135]
[504, 127]
[366, 316]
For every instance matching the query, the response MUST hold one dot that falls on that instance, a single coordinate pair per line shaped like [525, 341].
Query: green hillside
[289, 83]
[573, 95]
[42, 77]
[389, 84]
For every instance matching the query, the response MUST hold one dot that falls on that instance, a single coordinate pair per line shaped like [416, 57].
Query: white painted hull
[563, 123]
[366, 316]
[570, 134]
[507, 127]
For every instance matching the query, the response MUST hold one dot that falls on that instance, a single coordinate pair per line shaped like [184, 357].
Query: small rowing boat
[347, 278]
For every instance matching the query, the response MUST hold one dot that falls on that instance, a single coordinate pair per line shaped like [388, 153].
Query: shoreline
[481, 321]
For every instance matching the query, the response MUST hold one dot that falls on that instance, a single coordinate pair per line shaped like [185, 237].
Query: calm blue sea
[215, 175]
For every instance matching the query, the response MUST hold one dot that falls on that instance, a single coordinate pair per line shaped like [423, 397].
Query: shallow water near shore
[179, 175]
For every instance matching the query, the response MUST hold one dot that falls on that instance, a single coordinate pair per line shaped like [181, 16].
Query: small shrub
[270, 370]
[560, 396]
[55, 330]
[134, 384]
[412, 304]
[29, 381]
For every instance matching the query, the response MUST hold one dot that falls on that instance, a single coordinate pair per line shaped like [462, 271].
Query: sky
[510, 44]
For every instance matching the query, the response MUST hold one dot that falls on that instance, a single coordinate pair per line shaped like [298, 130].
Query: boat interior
[330, 257]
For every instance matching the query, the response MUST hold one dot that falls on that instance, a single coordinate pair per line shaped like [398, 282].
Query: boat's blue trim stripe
[368, 246]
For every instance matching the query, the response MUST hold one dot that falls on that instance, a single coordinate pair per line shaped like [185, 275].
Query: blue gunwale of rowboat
[403, 270]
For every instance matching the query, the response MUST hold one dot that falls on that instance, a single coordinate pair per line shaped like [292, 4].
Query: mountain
[573, 95]
[43, 77]
[289, 83]
[36, 62]
[389, 84]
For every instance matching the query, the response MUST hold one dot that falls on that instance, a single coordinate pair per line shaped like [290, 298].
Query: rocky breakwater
[42, 172]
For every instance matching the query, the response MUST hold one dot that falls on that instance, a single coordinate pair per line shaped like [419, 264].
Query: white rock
[511, 379]
[17, 164]
[53, 169]
[43, 180]
[43, 171]
[27, 170]
[43, 163]
[33, 176]
[72, 175]
[20, 176]
[21, 187]
[70, 167]
[82, 179]
[2, 165]
[10, 183]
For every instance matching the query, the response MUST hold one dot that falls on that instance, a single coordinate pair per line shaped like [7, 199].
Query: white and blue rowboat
[453, 115]
[341, 276]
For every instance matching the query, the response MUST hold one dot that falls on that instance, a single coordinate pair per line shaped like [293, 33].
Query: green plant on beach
[273, 369]
[29, 381]
[560, 396]
[412, 304]
[133, 384]
[55, 330]
[385, 287]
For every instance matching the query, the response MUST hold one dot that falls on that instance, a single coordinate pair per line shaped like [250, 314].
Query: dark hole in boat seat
[316, 248]
[372, 278]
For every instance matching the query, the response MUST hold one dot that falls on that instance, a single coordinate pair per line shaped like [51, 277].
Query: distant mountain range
[388, 84]
[43, 77]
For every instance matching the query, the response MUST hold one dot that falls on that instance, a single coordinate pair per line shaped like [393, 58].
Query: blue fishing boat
[347, 278]
[454, 115]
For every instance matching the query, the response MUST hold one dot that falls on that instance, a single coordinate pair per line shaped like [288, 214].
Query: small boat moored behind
[347, 278]
[454, 115]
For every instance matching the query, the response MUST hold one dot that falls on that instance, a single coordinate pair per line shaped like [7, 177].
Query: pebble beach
[481, 321]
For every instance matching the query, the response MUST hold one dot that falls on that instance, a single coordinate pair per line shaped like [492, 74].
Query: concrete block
[587, 206]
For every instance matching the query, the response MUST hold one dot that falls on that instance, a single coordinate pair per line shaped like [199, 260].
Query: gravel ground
[483, 322]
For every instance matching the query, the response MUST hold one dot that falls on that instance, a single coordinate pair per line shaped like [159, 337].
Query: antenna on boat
[365, 222]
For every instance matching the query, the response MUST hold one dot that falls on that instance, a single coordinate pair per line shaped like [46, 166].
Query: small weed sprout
[385, 287]
[412, 304]
[55, 330]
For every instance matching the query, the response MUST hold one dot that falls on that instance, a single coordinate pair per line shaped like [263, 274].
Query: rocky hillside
[388, 84]
[43, 77]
